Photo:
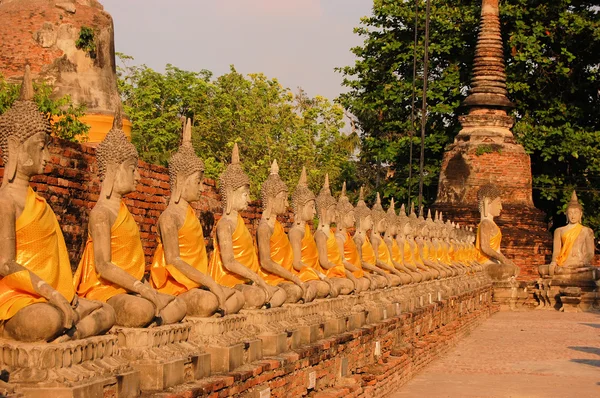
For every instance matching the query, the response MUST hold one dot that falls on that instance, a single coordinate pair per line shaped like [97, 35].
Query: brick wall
[71, 187]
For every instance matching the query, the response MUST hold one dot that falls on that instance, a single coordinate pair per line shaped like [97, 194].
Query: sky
[299, 42]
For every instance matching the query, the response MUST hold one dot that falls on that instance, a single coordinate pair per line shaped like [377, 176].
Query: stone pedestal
[90, 367]
[572, 295]
[163, 355]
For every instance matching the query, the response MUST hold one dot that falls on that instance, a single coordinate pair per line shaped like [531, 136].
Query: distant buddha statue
[574, 247]
[389, 238]
[382, 252]
[350, 256]
[37, 298]
[234, 262]
[489, 236]
[274, 249]
[413, 222]
[402, 249]
[330, 258]
[180, 265]
[306, 256]
[362, 242]
[112, 267]
[421, 252]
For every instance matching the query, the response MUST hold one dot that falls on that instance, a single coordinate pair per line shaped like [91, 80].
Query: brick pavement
[518, 354]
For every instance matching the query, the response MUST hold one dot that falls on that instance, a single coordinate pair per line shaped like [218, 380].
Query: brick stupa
[485, 151]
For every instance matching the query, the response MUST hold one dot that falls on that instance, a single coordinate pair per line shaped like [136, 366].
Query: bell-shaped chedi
[45, 34]
[485, 151]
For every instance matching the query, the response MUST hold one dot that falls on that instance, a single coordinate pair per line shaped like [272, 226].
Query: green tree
[62, 112]
[552, 53]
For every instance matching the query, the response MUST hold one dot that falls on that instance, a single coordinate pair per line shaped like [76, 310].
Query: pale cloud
[270, 8]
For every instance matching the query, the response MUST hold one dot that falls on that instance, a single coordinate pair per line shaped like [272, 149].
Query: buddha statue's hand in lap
[37, 298]
[180, 265]
[489, 236]
[234, 262]
[113, 262]
[573, 251]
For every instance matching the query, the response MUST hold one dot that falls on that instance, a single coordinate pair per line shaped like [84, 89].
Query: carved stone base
[88, 367]
[163, 355]
[572, 294]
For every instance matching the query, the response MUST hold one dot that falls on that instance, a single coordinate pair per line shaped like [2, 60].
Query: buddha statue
[574, 247]
[37, 298]
[180, 265]
[429, 252]
[489, 236]
[234, 262]
[113, 263]
[405, 253]
[389, 238]
[306, 256]
[364, 222]
[409, 237]
[421, 253]
[450, 246]
[330, 258]
[382, 252]
[274, 249]
[346, 245]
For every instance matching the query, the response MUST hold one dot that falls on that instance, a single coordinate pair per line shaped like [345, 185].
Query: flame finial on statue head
[184, 162]
[574, 202]
[273, 185]
[302, 195]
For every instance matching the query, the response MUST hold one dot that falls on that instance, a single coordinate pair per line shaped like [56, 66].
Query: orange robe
[494, 244]
[396, 253]
[243, 252]
[281, 253]
[383, 253]
[368, 253]
[334, 256]
[166, 278]
[126, 252]
[40, 247]
[567, 240]
[351, 255]
[408, 254]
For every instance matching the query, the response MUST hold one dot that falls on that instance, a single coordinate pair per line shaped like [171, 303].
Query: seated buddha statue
[350, 258]
[180, 265]
[432, 245]
[330, 258]
[113, 263]
[234, 262]
[451, 247]
[274, 249]
[382, 252]
[574, 247]
[389, 238]
[489, 236]
[421, 253]
[364, 222]
[413, 249]
[37, 298]
[306, 256]
[405, 253]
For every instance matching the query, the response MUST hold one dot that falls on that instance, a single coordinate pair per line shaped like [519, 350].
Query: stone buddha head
[490, 203]
[234, 185]
[420, 227]
[391, 219]
[24, 136]
[186, 169]
[402, 222]
[274, 194]
[326, 204]
[378, 214]
[364, 220]
[413, 221]
[303, 200]
[345, 211]
[574, 210]
[117, 161]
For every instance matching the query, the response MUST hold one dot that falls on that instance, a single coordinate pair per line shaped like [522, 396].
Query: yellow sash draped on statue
[166, 278]
[243, 252]
[567, 240]
[396, 252]
[408, 254]
[310, 257]
[383, 253]
[40, 247]
[494, 244]
[281, 253]
[126, 252]
[334, 256]
[351, 255]
[368, 252]
[417, 254]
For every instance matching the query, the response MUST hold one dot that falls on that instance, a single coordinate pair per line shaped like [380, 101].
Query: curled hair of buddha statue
[391, 216]
[232, 178]
[574, 202]
[377, 211]
[490, 192]
[302, 195]
[184, 162]
[343, 205]
[361, 211]
[401, 219]
[20, 122]
[114, 150]
[325, 200]
[272, 186]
